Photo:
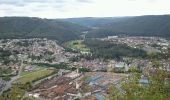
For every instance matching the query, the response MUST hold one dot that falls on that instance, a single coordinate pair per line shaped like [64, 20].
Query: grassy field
[27, 72]
[77, 45]
[33, 76]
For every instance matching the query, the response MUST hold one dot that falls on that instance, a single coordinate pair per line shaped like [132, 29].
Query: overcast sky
[83, 8]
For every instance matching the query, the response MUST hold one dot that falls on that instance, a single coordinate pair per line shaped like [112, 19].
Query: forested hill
[94, 21]
[27, 27]
[153, 25]
[68, 29]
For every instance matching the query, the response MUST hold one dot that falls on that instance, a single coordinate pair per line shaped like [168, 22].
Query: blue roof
[119, 65]
[93, 78]
[144, 81]
[99, 96]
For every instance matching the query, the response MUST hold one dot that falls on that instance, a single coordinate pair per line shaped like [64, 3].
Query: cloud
[24, 2]
[38, 8]
[85, 1]
[27, 2]
[9, 2]
[12, 2]
[82, 8]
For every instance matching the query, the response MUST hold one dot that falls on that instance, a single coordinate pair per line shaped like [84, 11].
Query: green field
[27, 72]
[78, 45]
[36, 75]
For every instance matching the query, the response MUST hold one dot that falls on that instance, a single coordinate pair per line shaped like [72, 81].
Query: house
[120, 67]
[144, 80]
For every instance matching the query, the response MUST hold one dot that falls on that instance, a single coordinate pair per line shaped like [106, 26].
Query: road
[9, 84]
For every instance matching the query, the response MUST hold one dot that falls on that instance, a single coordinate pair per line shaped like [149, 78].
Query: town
[70, 71]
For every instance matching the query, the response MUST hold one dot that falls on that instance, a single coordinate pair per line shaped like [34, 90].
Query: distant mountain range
[26, 27]
[68, 29]
[94, 21]
[153, 25]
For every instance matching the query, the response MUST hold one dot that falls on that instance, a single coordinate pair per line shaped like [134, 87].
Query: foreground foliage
[157, 87]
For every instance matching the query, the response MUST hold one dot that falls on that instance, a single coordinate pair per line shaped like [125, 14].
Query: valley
[84, 50]
[40, 68]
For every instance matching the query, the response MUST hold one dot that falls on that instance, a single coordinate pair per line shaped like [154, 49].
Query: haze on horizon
[83, 8]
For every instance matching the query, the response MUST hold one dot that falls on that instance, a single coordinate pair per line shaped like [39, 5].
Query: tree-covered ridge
[157, 25]
[68, 29]
[107, 50]
[27, 27]
[93, 21]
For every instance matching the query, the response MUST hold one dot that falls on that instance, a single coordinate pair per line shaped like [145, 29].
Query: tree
[157, 87]
[14, 93]
[27, 86]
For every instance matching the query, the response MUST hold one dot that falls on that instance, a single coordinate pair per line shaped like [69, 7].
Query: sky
[83, 8]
